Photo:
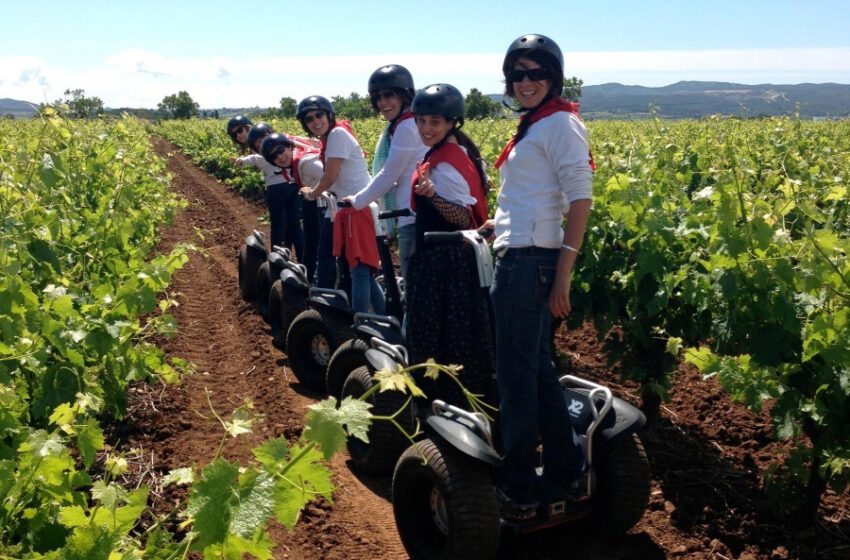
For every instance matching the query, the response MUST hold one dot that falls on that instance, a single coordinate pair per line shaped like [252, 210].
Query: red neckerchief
[554, 105]
[454, 155]
[324, 141]
[401, 117]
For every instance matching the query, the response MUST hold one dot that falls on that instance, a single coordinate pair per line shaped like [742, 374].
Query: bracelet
[569, 248]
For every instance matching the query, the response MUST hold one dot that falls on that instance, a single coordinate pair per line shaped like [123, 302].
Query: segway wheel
[310, 342]
[264, 287]
[350, 355]
[445, 504]
[249, 264]
[622, 486]
[386, 441]
[284, 305]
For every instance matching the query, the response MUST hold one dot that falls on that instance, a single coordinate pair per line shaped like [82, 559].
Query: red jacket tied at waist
[354, 237]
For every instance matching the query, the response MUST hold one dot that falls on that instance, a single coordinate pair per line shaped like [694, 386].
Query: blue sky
[227, 53]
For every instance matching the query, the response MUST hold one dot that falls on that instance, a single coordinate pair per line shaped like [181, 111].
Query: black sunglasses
[534, 74]
[383, 95]
[317, 115]
[239, 129]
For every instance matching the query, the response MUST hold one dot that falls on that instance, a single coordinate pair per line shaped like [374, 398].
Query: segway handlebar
[400, 213]
[473, 238]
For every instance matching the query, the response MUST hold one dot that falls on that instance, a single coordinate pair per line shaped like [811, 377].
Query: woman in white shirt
[345, 174]
[398, 150]
[545, 175]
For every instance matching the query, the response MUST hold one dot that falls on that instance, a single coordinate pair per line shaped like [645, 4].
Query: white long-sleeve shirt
[546, 171]
[271, 174]
[406, 150]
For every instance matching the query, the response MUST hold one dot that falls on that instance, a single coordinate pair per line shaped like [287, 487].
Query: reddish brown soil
[707, 455]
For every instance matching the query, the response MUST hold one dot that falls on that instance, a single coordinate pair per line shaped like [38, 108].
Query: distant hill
[699, 99]
[17, 108]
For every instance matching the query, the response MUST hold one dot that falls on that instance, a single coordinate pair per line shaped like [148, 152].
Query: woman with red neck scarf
[398, 150]
[545, 173]
[447, 313]
[353, 231]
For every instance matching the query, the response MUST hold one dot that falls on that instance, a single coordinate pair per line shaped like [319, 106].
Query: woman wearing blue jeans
[545, 173]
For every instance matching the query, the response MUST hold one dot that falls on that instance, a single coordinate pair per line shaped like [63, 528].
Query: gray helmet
[542, 50]
[314, 103]
[236, 122]
[273, 145]
[392, 77]
[440, 99]
[258, 132]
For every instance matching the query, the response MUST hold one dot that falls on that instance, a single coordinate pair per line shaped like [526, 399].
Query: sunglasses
[317, 115]
[239, 129]
[534, 74]
[383, 95]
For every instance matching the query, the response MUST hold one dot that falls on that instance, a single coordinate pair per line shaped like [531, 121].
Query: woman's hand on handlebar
[307, 193]
[346, 202]
[488, 230]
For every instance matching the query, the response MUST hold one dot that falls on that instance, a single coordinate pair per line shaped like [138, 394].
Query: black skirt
[448, 319]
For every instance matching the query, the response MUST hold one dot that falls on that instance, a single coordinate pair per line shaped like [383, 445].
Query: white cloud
[141, 78]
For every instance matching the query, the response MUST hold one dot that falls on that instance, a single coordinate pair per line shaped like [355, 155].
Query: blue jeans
[406, 241]
[284, 206]
[326, 262]
[364, 288]
[532, 402]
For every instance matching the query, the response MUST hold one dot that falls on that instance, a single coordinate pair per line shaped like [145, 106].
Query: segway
[444, 486]
[287, 298]
[316, 333]
[266, 275]
[252, 255]
[352, 353]
[378, 456]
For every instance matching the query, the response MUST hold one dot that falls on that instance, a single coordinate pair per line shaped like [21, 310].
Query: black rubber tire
[264, 287]
[249, 264]
[446, 506]
[284, 305]
[623, 481]
[350, 355]
[386, 442]
[312, 338]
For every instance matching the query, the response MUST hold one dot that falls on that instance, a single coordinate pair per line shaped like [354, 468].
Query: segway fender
[276, 260]
[256, 241]
[333, 299]
[628, 419]
[460, 436]
[292, 280]
[379, 360]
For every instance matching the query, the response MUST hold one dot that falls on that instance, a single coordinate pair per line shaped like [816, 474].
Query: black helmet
[440, 99]
[542, 50]
[258, 132]
[393, 77]
[236, 122]
[314, 103]
[273, 145]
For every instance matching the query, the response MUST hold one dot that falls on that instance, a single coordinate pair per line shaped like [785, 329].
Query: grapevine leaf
[181, 476]
[255, 503]
[323, 427]
[73, 516]
[304, 481]
[272, 453]
[89, 440]
[354, 414]
[210, 501]
[235, 547]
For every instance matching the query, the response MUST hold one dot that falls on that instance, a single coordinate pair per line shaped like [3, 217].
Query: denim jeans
[364, 288]
[311, 219]
[284, 206]
[532, 402]
[326, 262]
[406, 240]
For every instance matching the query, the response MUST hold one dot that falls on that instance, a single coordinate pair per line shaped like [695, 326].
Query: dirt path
[706, 455]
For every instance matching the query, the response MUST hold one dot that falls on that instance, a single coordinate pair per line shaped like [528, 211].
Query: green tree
[479, 106]
[355, 106]
[288, 106]
[80, 106]
[572, 88]
[178, 106]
